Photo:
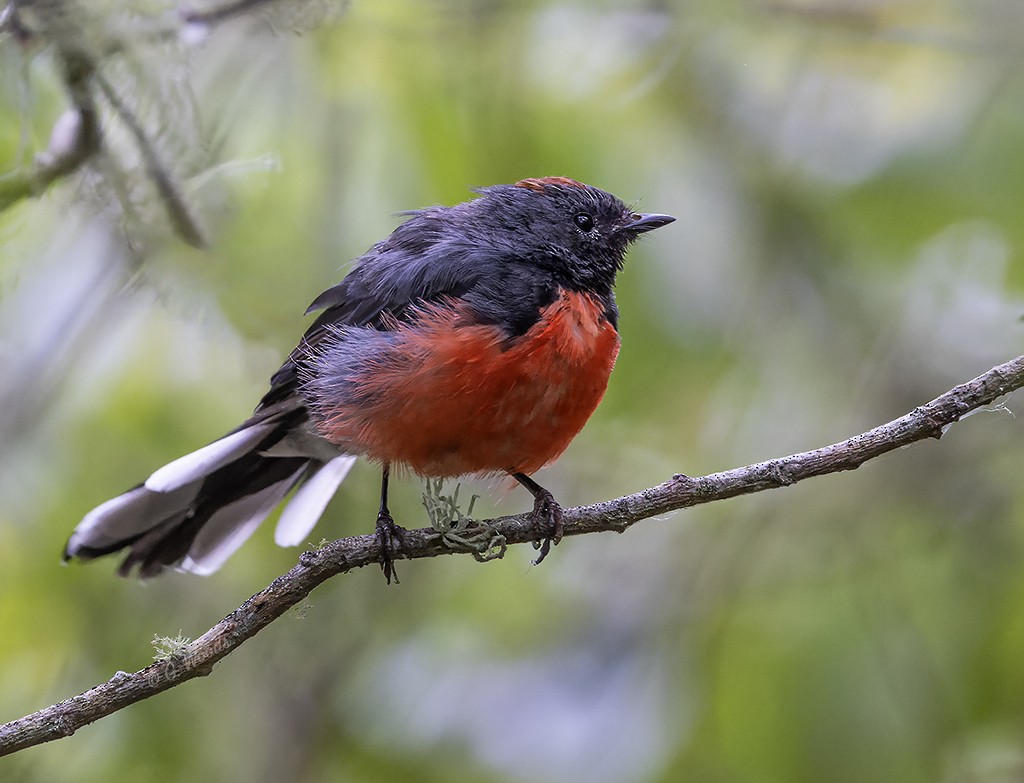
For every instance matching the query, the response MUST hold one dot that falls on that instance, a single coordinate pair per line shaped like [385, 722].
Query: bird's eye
[584, 222]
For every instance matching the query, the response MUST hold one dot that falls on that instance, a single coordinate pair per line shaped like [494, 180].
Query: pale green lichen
[457, 530]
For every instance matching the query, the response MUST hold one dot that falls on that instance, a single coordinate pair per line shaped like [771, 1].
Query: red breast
[451, 398]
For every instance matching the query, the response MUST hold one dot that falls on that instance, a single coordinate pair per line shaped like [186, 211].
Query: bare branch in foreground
[199, 657]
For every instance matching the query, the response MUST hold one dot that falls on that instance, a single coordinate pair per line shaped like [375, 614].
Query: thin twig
[177, 210]
[222, 13]
[315, 567]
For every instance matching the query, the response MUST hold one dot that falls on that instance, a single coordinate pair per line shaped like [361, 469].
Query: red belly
[449, 399]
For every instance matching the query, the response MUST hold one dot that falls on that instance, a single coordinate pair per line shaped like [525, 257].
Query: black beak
[642, 223]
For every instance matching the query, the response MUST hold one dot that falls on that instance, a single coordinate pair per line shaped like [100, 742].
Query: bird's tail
[193, 513]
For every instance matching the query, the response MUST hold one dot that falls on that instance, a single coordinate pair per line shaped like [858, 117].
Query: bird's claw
[390, 536]
[547, 516]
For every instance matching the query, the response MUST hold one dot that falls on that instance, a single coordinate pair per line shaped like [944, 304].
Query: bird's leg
[388, 533]
[547, 515]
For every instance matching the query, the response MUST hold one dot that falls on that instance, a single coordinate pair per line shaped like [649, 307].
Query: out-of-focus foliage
[849, 183]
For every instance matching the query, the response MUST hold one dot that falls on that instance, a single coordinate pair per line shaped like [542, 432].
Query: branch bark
[315, 567]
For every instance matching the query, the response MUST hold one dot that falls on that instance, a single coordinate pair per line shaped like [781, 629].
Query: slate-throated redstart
[476, 339]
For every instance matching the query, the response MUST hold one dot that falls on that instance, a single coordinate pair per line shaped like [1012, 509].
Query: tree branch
[315, 567]
[75, 137]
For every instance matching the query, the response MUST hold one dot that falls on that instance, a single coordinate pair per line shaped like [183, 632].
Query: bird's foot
[390, 536]
[547, 517]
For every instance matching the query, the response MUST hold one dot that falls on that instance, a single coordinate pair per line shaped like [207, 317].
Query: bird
[476, 339]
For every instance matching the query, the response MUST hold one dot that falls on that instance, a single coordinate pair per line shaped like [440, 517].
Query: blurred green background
[848, 179]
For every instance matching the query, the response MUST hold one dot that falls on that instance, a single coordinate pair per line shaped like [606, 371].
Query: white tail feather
[127, 516]
[304, 510]
[202, 462]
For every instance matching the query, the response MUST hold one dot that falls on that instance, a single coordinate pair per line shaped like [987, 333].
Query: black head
[577, 232]
[518, 244]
